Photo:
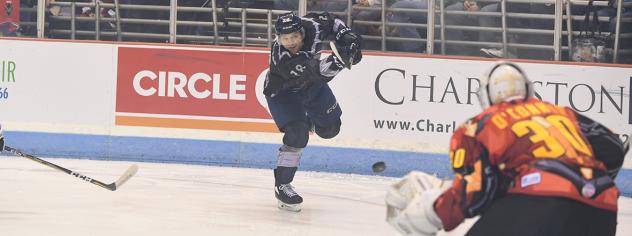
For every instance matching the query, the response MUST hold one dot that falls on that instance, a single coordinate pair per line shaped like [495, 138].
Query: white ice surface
[172, 199]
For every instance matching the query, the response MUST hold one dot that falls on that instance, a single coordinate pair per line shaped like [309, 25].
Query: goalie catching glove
[348, 47]
[410, 204]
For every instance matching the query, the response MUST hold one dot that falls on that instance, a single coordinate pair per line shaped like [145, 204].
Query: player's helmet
[288, 23]
[504, 82]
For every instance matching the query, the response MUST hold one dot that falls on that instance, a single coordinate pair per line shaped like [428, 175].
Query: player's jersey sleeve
[319, 29]
[275, 78]
[475, 182]
[607, 147]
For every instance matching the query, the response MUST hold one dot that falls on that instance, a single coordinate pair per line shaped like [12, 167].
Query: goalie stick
[334, 49]
[112, 187]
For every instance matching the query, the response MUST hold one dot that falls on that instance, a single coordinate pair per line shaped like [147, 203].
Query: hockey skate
[288, 199]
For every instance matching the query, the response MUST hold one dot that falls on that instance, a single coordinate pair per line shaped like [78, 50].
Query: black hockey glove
[346, 37]
[336, 63]
[349, 46]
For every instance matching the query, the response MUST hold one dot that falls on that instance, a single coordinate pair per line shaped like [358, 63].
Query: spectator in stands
[28, 17]
[312, 5]
[57, 10]
[513, 22]
[9, 21]
[53, 24]
[462, 20]
[368, 15]
[408, 32]
[626, 43]
[244, 3]
[89, 11]
[148, 15]
[331, 6]
[193, 16]
[625, 28]
[290, 5]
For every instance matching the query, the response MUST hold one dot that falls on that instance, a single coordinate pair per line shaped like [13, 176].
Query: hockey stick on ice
[112, 187]
[334, 49]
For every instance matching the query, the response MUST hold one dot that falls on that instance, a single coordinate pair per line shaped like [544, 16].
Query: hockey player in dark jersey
[527, 167]
[296, 89]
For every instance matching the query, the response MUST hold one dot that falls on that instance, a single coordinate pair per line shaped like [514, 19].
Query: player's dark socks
[284, 175]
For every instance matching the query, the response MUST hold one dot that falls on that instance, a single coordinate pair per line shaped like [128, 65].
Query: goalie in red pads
[527, 167]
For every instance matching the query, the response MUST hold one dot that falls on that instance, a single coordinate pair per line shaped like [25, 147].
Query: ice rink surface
[174, 199]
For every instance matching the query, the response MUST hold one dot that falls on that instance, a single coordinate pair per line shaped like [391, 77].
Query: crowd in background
[466, 33]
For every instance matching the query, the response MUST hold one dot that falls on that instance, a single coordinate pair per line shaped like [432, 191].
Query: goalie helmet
[504, 82]
[288, 23]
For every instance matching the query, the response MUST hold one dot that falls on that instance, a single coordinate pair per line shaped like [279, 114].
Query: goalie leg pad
[410, 204]
[419, 216]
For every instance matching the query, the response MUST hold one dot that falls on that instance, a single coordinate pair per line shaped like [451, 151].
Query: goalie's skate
[288, 199]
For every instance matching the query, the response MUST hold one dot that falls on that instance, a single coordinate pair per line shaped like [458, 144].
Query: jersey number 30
[558, 134]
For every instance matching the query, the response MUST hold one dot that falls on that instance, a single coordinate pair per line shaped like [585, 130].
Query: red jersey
[524, 147]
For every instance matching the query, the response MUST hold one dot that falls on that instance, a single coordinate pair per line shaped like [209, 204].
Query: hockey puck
[378, 167]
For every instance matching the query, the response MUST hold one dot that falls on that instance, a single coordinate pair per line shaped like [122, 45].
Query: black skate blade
[289, 207]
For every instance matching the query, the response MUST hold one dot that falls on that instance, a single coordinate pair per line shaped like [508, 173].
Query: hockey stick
[112, 187]
[334, 49]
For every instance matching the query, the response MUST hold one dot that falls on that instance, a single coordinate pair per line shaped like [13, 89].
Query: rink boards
[203, 105]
